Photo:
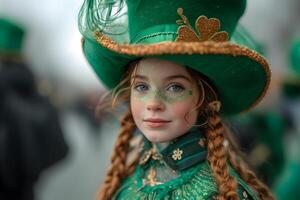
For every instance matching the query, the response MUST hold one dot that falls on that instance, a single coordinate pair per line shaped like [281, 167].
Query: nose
[155, 104]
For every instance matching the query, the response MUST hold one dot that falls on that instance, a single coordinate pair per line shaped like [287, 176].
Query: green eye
[141, 88]
[175, 88]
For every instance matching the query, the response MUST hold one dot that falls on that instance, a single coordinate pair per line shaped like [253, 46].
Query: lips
[156, 122]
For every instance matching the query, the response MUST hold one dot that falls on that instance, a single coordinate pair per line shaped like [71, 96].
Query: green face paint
[163, 95]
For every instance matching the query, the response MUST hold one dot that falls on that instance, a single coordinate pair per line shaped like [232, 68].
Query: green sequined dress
[179, 171]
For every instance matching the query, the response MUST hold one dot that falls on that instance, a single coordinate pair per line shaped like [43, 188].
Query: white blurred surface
[52, 44]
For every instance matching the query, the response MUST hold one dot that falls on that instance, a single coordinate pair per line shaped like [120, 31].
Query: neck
[161, 145]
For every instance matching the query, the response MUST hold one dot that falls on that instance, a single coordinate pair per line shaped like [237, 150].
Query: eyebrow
[167, 78]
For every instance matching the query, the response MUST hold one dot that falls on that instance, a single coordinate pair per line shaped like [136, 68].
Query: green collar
[182, 153]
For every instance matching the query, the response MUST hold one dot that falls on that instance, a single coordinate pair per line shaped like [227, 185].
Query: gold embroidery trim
[151, 153]
[151, 178]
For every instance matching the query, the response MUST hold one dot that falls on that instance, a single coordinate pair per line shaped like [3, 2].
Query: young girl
[177, 80]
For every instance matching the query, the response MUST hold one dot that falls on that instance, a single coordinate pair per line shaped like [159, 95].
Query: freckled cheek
[182, 112]
[181, 109]
[137, 108]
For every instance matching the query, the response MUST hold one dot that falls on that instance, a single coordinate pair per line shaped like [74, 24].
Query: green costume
[178, 171]
[201, 34]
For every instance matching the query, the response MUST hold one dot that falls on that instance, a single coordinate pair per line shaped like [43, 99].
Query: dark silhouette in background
[31, 138]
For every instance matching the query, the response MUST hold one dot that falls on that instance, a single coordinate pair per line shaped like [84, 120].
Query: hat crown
[145, 14]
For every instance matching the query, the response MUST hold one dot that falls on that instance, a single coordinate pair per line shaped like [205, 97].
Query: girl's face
[163, 99]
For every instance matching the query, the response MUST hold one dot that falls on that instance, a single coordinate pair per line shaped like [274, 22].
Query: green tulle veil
[106, 16]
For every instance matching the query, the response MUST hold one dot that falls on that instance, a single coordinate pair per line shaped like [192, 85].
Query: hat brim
[241, 75]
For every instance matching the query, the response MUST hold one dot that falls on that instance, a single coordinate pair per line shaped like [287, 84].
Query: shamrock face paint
[163, 98]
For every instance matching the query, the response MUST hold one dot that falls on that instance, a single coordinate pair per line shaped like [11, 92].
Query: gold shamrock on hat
[205, 29]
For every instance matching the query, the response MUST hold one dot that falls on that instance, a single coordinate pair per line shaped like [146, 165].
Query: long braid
[236, 159]
[118, 169]
[217, 156]
[249, 177]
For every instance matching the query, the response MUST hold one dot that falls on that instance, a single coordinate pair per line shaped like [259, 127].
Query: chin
[156, 137]
[158, 140]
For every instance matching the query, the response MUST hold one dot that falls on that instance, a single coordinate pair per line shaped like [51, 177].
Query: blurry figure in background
[31, 139]
[287, 185]
[260, 133]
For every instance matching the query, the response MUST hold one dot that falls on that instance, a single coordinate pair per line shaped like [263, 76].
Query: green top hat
[196, 33]
[11, 39]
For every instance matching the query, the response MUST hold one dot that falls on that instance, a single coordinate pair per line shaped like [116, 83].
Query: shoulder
[245, 192]
[206, 184]
[194, 182]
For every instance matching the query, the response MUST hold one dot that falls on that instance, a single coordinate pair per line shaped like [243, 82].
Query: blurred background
[52, 52]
